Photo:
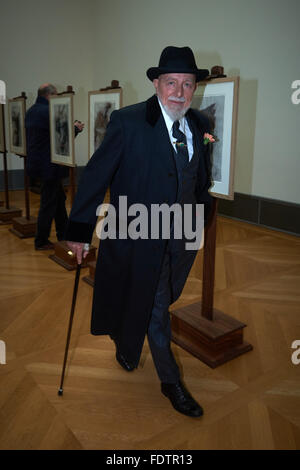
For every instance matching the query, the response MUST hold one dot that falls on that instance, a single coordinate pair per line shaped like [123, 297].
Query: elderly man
[153, 153]
[38, 165]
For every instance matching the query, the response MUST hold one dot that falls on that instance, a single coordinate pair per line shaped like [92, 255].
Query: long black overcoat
[135, 159]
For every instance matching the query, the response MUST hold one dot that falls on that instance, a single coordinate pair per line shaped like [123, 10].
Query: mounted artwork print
[62, 129]
[218, 99]
[101, 105]
[2, 130]
[16, 123]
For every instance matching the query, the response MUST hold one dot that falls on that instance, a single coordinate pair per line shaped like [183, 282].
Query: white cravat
[184, 127]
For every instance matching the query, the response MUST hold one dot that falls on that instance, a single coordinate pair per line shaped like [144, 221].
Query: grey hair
[47, 90]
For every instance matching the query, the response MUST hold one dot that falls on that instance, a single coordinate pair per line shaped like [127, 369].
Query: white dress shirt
[184, 127]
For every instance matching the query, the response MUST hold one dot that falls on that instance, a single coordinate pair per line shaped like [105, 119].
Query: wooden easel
[72, 170]
[204, 331]
[24, 227]
[62, 254]
[90, 278]
[8, 212]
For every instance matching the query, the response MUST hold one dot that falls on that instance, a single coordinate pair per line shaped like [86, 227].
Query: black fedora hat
[177, 60]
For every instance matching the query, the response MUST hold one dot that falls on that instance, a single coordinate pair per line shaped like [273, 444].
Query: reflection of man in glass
[213, 108]
[38, 165]
[16, 127]
[61, 130]
[101, 121]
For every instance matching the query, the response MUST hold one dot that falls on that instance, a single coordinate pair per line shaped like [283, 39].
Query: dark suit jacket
[135, 159]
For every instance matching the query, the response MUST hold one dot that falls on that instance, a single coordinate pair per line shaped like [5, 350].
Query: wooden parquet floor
[251, 402]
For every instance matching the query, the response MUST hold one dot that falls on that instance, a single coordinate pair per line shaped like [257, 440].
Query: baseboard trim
[269, 213]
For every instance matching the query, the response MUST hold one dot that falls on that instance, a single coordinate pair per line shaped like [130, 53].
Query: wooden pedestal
[204, 331]
[90, 279]
[6, 215]
[213, 342]
[1, 203]
[67, 261]
[23, 227]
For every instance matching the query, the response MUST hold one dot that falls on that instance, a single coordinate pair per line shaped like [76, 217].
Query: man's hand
[79, 125]
[79, 250]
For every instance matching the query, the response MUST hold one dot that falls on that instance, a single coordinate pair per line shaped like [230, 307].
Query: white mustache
[179, 100]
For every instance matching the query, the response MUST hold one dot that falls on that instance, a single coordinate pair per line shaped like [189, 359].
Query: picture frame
[2, 130]
[16, 125]
[101, 105]
[62, 132]
[218, 99]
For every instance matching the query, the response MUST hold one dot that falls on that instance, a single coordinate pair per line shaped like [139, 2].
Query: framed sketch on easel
[218, 99]
[16, 123]
[2, 130]
[62, 129]
[101, 105]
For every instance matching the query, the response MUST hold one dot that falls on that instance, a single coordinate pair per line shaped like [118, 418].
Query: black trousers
[52, 207]
[176, 266]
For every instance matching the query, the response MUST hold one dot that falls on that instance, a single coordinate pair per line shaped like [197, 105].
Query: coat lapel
[153, 111]
[160, 141]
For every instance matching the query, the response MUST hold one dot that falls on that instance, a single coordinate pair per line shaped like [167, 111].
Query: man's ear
[155, 83]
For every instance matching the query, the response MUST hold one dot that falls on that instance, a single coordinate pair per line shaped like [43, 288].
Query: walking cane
[77, 276]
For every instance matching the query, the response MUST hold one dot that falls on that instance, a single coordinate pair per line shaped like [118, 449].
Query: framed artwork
[101, 105]
[16, 124]
[62, 129]
[218, 99]
[2, 130]
[2, 92]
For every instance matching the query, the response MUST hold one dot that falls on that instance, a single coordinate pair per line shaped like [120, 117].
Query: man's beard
[175, 115]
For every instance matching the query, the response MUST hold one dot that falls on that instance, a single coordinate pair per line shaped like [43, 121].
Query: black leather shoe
[181, 399]
[47, 246]
[123, 362]
[121, 359]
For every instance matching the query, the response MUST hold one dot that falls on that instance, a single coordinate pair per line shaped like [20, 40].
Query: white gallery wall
[52, 42]
[88, 44]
